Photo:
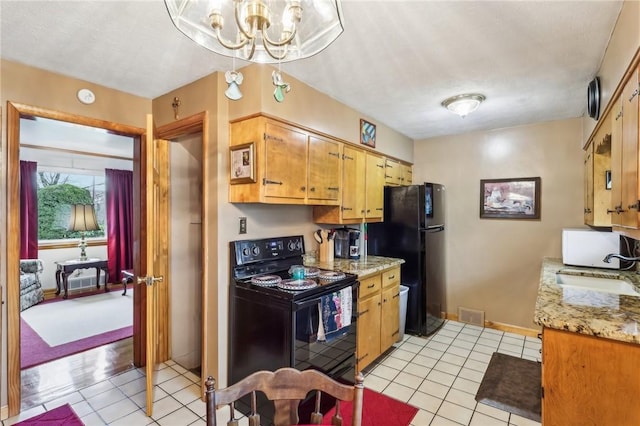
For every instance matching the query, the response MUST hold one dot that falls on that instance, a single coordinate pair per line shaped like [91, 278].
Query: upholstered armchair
[30, 287]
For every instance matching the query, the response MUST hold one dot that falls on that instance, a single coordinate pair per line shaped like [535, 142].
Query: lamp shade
[83, 218]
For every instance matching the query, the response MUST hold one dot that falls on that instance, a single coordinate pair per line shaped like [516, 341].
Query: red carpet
[60, 416]
[377, 410]
[35, 351]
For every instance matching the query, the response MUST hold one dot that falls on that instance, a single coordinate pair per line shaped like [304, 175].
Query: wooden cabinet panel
[353, 179]
[390, 317]
[324, 169]
[391, 277]
[630, 183]
[597, 161]
[392, 172]
[374, 200]
[616, 163]
[368, 329]
[285, 162]
[369, 286]
[588, 185]
[407, 174]
[588, 380]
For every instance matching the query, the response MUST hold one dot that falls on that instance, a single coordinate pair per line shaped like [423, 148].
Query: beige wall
[624, 43]
[494, 265]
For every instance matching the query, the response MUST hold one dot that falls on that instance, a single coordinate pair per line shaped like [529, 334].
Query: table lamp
[83, 218]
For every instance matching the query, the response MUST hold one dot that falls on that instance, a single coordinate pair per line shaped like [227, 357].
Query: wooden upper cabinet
[407, 174]
[392, 172]
[285, 162]
[353, 178]
[324, 169]
[630, 183]
[290, 165]
[616, 163]
[374, 199]
[597, 169]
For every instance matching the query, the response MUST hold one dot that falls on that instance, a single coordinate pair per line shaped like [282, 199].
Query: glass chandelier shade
[262, 31]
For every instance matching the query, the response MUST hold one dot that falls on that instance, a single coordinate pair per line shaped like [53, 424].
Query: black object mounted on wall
[593, 98]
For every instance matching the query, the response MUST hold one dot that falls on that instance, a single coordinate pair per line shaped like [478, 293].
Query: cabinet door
[324, 169]
[407, 174]
[630, 183]
[368, 344]
[353, 181]
[392, 172]
[375, 186]
[616, 163]
[588, 185]
[390, 317]
[285, 162]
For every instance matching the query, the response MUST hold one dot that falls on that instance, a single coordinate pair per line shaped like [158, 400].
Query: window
[57, 191]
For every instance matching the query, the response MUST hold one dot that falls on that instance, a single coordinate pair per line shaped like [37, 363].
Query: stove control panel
[250, 251]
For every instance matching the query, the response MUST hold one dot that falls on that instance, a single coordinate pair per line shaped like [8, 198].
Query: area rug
[378, 410]
[79, 324]
[74, 319]
[59, 416]
[512, 384]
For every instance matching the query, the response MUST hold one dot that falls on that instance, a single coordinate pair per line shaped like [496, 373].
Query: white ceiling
[395, 62]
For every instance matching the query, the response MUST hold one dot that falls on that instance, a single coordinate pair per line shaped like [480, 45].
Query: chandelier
[263, 31]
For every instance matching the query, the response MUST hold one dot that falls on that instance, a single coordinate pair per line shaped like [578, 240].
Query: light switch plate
[243, 225]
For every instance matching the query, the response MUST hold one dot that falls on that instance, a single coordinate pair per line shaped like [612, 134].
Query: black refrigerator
[414, 230]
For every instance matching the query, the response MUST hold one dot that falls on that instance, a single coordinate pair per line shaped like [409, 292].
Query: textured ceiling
[395, 62]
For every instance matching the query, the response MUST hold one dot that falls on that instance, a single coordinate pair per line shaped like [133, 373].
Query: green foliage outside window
[54, 211]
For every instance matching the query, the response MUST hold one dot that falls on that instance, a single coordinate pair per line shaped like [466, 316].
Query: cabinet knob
[635, 206]
[312, 189]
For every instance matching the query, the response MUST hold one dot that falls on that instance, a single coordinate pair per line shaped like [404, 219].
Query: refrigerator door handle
[434, 228]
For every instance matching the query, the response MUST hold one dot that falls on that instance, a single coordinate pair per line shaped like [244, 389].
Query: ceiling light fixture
[463, 104]
[263, 31]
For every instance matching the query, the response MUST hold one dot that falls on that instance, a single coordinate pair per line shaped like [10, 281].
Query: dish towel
[335, 314]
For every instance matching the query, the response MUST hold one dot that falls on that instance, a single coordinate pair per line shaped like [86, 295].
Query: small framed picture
[367, 133]
[510, 198]
[242, 163]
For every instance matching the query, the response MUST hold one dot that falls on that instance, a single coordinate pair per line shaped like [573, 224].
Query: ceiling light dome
[463, 104]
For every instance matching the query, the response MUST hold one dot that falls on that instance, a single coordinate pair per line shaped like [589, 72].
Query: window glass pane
[57, 192]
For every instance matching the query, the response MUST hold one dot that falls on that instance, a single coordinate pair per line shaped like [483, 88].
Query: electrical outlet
[243, 225]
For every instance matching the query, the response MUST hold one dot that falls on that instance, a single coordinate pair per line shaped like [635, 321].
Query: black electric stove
[273, 318]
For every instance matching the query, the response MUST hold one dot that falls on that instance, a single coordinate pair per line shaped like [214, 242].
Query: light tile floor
[439, 374]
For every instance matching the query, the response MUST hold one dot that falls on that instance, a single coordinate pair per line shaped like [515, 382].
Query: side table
[66, 267]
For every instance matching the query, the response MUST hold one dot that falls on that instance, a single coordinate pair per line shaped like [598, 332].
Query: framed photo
[510, 198]
[242, 163]
[367, 133]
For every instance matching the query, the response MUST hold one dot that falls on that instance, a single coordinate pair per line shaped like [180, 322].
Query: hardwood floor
[52, 380]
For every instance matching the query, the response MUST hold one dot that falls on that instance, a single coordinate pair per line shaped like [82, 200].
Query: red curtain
[119, 200]
[28, 210]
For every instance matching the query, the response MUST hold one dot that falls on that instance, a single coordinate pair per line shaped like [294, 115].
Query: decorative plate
[297, 284]
[311, 272]
[266, 280]
[331, 275]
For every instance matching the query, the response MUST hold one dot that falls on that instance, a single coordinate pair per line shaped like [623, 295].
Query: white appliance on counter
[587, 247]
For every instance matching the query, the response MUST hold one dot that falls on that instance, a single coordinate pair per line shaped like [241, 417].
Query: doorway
[187, 126]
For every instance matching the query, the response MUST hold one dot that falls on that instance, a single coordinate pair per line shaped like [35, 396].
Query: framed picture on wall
[517, 198]
[242, 163]
[367, 133]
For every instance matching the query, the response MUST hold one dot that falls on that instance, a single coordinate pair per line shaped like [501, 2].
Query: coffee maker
[347, 243]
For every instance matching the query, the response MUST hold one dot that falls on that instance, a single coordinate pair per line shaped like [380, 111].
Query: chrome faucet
[607, 258]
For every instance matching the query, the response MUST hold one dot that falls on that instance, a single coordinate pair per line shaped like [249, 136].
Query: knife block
[326, 251]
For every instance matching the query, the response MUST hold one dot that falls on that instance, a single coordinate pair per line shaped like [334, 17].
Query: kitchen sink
[605, 285]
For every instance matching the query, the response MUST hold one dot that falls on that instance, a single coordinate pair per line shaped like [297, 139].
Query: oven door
[335, 354]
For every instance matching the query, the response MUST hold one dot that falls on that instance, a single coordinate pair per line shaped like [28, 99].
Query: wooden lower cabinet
[378, 315]
[589, 380]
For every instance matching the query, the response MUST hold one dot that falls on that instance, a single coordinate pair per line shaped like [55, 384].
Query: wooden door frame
[197, 123]
[14, 112]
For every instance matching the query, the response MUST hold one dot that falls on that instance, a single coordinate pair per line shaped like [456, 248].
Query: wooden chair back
[285, 387]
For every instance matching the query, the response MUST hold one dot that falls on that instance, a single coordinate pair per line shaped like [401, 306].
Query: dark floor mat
[512, 384]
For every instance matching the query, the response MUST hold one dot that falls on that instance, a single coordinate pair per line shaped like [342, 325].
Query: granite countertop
[595, 313]
[362, 267]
